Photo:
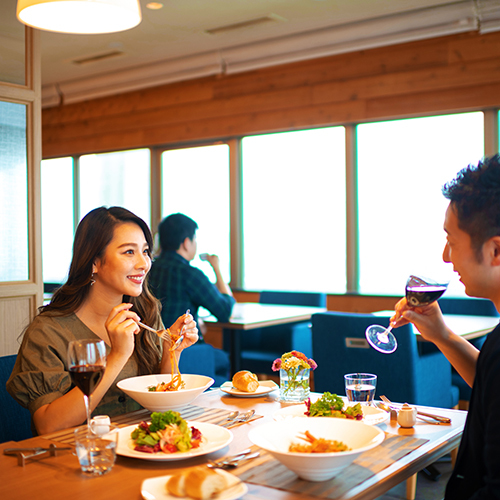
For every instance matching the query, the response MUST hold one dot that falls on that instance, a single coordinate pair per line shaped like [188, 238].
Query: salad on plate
[167, 432]
[331, 405]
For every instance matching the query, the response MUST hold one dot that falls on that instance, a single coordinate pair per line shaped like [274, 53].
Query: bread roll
[176, 485]
[245, 381]
[203, 483]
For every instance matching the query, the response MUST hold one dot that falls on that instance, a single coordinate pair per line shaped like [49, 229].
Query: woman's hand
[122, 327]
[190, 331]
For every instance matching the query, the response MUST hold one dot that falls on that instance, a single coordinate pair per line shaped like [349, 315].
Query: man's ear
[495, 250]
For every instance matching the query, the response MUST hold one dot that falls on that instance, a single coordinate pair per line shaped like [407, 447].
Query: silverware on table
[35, 449]
[443, 420]
[234, 461]
[240, 419]
[229, 418]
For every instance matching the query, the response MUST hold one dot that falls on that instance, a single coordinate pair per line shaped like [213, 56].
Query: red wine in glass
[86, 377]
[86, 361]
[418, 292]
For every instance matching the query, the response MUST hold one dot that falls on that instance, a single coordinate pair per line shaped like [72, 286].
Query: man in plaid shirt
[180, 286]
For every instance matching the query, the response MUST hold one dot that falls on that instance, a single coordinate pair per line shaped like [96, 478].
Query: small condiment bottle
[407, 416]
[100, 424]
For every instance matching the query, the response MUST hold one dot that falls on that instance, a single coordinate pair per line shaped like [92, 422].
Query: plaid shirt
[180, 286]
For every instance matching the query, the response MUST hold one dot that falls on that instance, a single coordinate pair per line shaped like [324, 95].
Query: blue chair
[260, 347]
[473, 307]
[406, 375]
[15, 421]
[204, 359]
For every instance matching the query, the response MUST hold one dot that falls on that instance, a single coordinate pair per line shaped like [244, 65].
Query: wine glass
[86, 362]
[419, 292]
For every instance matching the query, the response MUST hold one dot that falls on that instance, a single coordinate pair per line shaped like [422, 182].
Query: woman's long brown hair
[93, 235]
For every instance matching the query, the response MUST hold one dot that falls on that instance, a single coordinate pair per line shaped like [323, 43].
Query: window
[57, 218]
[13, 193]
[402, 166]
[195, 182]
[116, 179]
[294, 211]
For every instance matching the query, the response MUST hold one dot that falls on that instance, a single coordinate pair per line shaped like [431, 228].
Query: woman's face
[125, 263]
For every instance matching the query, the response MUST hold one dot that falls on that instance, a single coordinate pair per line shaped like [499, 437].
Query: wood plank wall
[446, 74]
[460, 72]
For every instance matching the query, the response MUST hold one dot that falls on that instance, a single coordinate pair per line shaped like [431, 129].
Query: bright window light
[195, 182]
[402, 166]
[116, 179]
[57, 218]
[294, 211]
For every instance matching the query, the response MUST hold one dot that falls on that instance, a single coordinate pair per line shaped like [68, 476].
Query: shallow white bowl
[137, 388]
[276, 437]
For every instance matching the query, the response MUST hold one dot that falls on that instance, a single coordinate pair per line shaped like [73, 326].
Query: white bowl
[137, 388]
[276, 437]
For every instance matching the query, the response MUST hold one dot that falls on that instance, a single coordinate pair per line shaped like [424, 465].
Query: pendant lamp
[80, 16]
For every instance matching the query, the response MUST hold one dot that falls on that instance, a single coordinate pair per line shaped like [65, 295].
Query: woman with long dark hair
[105, 296]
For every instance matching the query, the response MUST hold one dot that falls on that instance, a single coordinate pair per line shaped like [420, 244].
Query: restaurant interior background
[309, 145]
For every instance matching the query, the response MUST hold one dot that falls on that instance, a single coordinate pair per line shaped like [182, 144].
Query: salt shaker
[407, 416]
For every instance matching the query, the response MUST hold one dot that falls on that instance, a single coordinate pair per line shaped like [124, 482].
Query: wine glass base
[381, 339]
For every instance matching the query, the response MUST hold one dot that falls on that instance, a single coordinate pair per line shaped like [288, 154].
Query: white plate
[214, 438]
[371, 415]
[155, 488]
[265, 387]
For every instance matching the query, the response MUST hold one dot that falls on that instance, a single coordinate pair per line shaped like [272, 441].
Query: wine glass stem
[87, 407]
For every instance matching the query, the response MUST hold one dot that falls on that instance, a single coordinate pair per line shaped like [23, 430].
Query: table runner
[267, 471]
[190, 412]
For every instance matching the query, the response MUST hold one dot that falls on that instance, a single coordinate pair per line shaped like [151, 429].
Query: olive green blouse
[41, 373]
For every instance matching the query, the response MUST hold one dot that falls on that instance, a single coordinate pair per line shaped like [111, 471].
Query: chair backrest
[313, 299]
[15, 421]
[340, 347]
[471, 306]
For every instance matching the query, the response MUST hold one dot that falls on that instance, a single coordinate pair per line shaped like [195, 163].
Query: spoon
[244, 417]
[229, 418]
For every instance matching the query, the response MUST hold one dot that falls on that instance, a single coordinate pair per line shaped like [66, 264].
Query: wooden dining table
[250, 315]
[406, 452]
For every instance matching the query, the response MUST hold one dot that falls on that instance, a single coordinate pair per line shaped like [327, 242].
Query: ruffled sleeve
[40, 374]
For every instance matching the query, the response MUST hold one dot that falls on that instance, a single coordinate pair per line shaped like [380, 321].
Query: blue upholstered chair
[473, 307]
[260, 347]
[15, 421]
[406, 375]
[202, 359]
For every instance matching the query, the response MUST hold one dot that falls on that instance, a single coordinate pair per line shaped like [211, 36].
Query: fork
[165, 333]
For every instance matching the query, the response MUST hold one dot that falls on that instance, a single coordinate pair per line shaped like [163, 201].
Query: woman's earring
[92, 280]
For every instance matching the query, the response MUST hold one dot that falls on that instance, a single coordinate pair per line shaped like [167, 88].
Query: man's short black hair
[174, 229]
[474, 195]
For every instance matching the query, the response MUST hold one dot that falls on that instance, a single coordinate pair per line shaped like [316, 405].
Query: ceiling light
[154, 5]
[80, 16]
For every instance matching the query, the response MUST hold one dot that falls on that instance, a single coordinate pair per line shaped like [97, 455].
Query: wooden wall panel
[15, 315]
[446, 74]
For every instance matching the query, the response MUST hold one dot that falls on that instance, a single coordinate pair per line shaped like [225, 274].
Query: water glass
[96, 451]
[360, 387]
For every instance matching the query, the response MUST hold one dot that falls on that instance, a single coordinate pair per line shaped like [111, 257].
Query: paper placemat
[267, 471]
[190, 412]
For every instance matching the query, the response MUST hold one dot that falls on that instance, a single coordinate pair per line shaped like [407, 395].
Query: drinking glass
[95, 448]
[360, 387]
[418, 292]
[86, 362]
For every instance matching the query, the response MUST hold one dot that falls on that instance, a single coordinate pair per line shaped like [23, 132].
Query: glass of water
[360, 387]
[96, 448]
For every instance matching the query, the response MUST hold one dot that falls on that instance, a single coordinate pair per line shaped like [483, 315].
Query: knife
[14, 451]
